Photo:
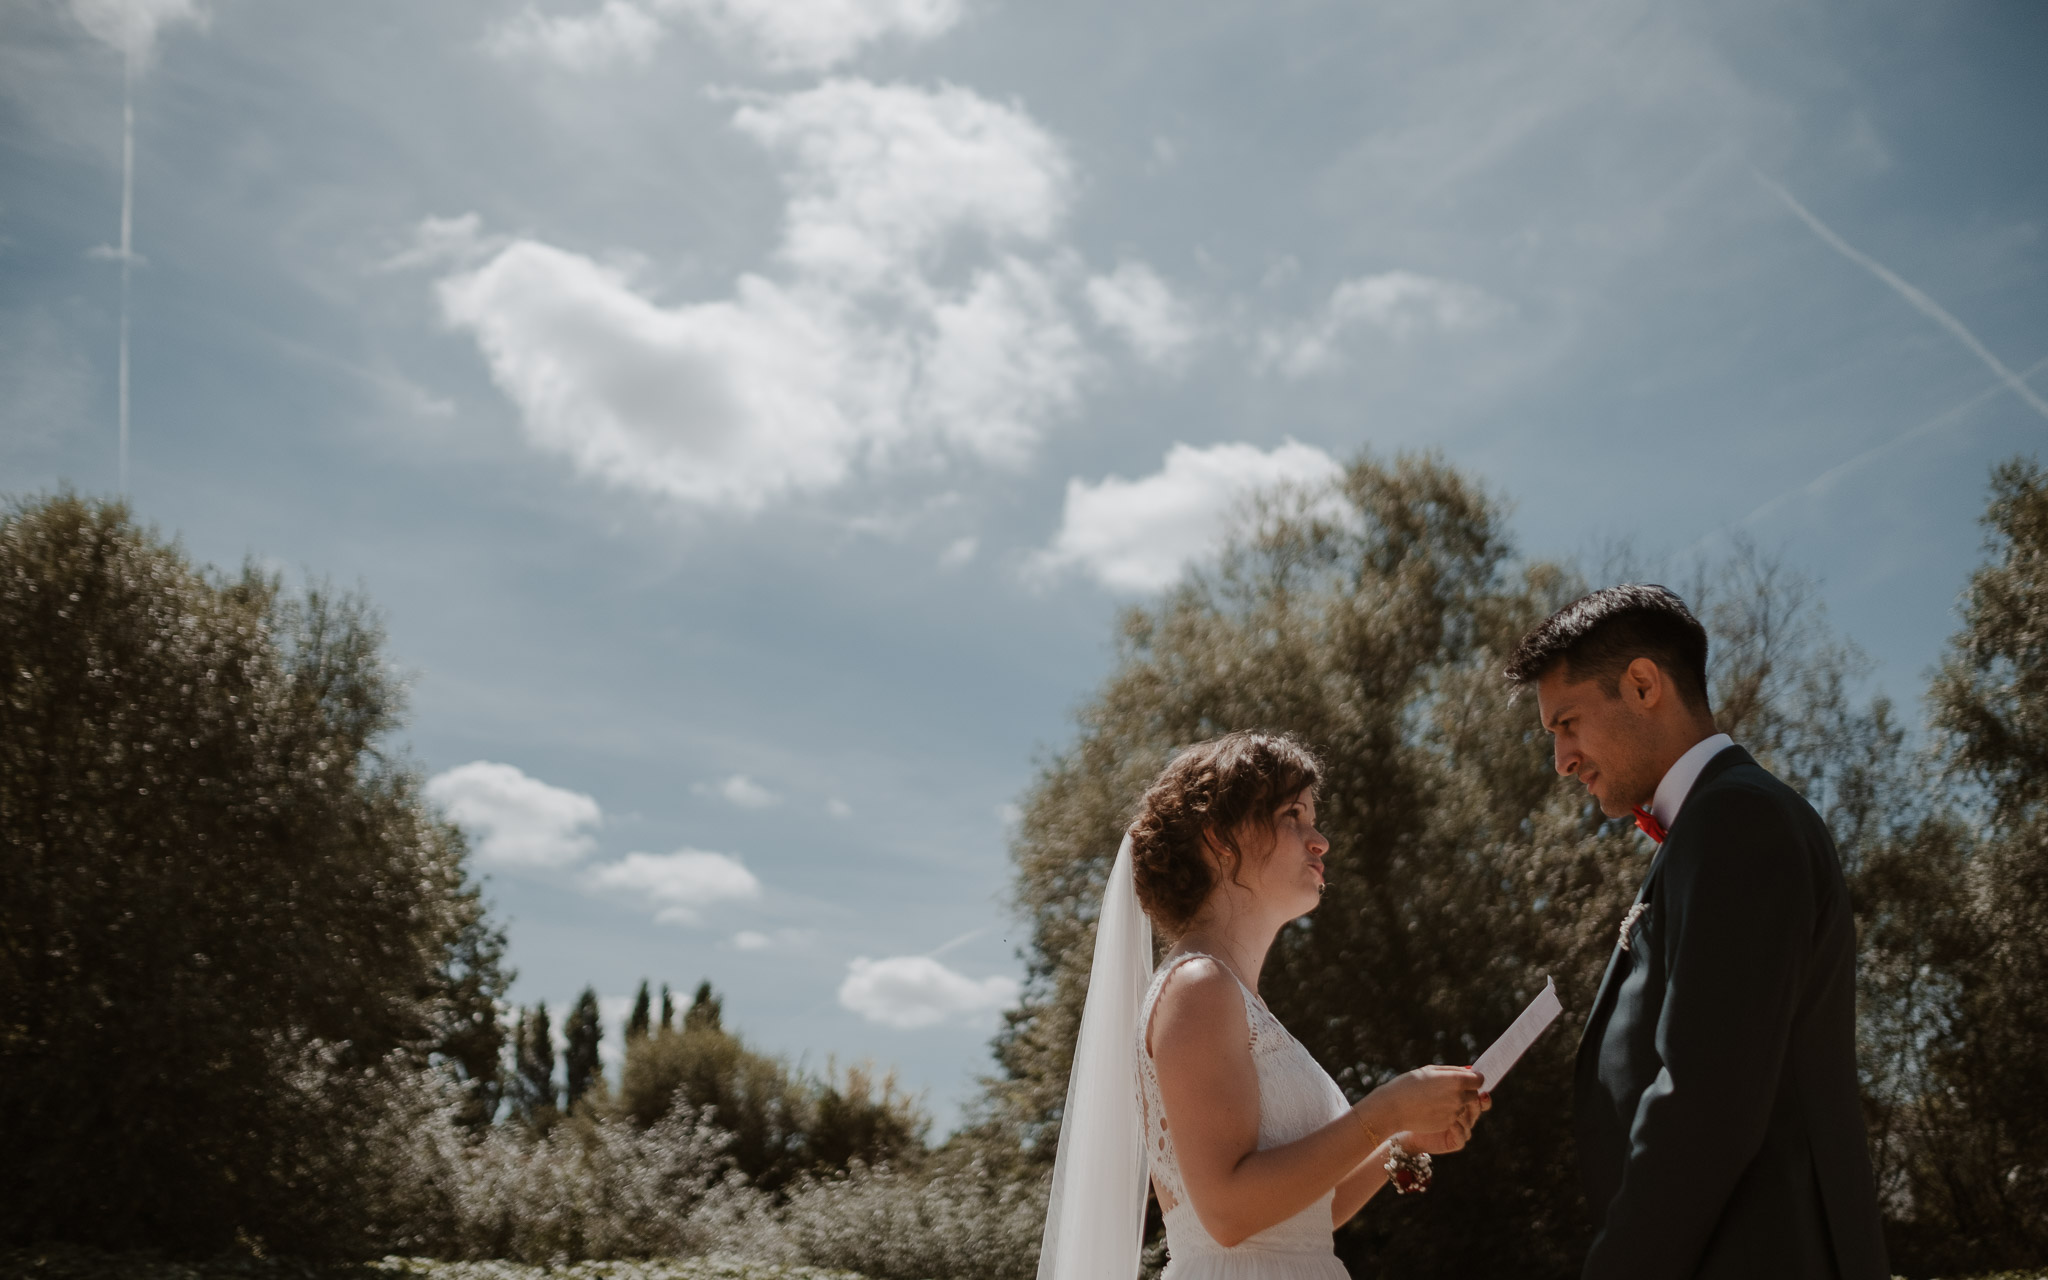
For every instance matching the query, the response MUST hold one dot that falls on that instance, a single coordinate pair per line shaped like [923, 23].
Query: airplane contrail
[1921, 302]
[1822, 481]
[131, 27]
[127, 235]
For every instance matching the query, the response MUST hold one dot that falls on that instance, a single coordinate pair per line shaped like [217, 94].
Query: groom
[1718, 1123]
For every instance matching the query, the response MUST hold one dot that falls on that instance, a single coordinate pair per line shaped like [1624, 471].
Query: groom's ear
[1643, 683]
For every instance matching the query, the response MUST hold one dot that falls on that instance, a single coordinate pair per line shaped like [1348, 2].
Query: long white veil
[1095, 1220]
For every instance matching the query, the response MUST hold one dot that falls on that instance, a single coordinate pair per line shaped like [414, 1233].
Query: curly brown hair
[1221, 788]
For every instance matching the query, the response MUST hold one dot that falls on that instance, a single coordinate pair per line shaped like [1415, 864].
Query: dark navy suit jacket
[1719, 1127]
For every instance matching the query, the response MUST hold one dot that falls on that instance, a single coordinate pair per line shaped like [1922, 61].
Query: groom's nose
[1567, 758]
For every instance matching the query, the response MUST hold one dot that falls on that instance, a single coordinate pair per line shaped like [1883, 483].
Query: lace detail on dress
[1296, 1097]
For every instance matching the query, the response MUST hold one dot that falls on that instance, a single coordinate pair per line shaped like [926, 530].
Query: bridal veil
[1095, 1218]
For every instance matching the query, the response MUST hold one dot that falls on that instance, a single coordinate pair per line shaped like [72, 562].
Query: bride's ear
[1224, 860]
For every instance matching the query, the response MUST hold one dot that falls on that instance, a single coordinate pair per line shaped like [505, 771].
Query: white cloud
[131, 26]
[1009, 814]
[918, 991]
[750, 940]
[1140, 535]
[1002, 360]
[959, 552]
[813, 35]
[859, 355]
[779, 35]
[518, 821]
[741, 790]
[1399, 304]
[885, 176]
[619, 34]
[1139, 307]
[613, 1012]
[679, 885]
[838, 808]
[721, 404]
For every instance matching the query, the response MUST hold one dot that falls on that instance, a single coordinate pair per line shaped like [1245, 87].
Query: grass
[70, 1262]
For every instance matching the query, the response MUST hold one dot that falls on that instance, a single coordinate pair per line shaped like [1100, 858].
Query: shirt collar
[1678, 780]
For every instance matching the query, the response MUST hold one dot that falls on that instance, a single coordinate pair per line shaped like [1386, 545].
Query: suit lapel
[1721, 763]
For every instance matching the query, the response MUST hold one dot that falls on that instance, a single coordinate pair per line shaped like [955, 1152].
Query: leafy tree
[638, 1024]
[583, 1033]
[783, 1124]
[220, 897]
[1373, 622]
[472, 1038]
[668, 1009]
[1973, 1178]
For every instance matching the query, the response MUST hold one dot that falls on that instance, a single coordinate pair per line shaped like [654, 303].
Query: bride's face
[1290, 877]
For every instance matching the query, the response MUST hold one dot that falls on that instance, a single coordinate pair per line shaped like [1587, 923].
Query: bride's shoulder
[1198, 991]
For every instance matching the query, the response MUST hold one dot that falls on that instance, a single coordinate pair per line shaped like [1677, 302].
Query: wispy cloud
[1396, 304]
[1920, 301]
[1138, 306]
[776, 35]
[739, 790]
[618, 34]
[131, 26]
[1141, 535]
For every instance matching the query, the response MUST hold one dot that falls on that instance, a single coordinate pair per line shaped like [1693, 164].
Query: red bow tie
[1649, 824]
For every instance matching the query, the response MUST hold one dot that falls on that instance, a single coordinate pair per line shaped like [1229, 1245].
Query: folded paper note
[1495, 1063]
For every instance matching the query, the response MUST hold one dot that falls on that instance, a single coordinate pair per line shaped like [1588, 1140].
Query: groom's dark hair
[1595, 638]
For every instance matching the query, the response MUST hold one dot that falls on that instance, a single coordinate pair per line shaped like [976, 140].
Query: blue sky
[751, 414]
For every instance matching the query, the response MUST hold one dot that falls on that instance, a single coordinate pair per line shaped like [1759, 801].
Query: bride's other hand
[1432, 1100]
[1452, 1139]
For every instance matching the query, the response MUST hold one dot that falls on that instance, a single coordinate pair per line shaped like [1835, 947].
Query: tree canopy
[1371, 621]
[217, 887]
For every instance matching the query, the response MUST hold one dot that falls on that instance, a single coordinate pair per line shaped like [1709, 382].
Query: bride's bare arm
[1201, 1046]
[1359, 1186]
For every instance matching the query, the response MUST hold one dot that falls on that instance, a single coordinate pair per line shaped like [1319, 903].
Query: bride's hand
[1446, 1141]
[1431, 1100]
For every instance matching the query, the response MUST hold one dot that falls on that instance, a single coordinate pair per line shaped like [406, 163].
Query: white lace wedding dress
[1296, 1097]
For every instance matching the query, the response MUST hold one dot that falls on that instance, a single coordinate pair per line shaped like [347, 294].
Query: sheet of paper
[1502, 1055]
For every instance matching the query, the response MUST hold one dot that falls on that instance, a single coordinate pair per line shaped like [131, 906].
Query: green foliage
[534, 1094]
[220, 901]
[584, 1033]
[1972, 1148]
[782, 1123]
[79, 1263]
[1462, 871]
[967, 1223]
[639, 1022]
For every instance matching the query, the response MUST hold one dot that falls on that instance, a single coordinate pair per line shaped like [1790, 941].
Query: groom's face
[1598, 737]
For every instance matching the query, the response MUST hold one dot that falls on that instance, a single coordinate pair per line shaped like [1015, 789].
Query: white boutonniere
[1628, 922]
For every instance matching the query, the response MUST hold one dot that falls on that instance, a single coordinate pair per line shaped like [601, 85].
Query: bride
[1252, 1150]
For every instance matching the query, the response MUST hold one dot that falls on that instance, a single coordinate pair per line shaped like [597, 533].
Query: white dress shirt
[1678, 780]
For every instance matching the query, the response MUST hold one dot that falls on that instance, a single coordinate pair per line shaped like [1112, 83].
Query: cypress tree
[705, 1010]
[536, 1066]
[636, 1025]
[583, 1032]
[668, 1009]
